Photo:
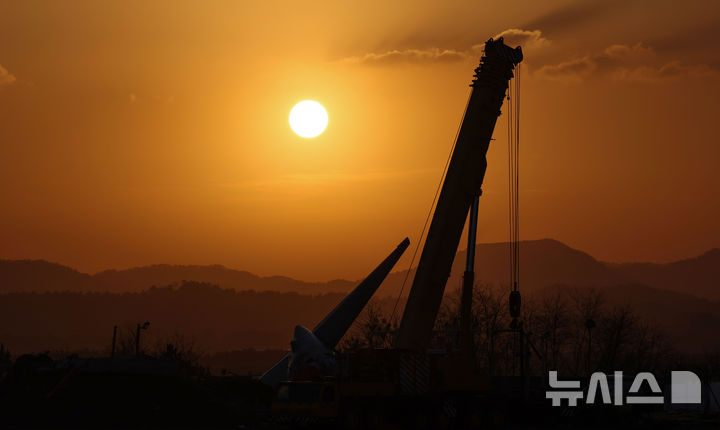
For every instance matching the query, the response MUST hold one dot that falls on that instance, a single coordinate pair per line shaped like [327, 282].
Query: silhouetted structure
[145, 326]
[316, 347]
[114, 340]
[461, 187]
[409, 377]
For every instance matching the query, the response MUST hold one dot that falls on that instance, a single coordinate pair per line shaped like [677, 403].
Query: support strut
[466, 337]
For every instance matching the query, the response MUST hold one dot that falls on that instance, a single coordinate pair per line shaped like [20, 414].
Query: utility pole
[466, 335]
[137, 336]
[112, 350]
[590, 325]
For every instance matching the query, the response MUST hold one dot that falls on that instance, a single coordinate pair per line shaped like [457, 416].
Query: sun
[308, 118]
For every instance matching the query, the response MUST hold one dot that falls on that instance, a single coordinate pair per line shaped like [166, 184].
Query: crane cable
[517, 178]
[510, 139]
[513, 98]
[432, 206]
[514, 301]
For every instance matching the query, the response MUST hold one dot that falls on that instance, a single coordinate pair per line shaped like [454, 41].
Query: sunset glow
[133, 135]
[378, 214]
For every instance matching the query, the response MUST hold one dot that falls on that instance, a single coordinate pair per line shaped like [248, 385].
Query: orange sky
[139, 132]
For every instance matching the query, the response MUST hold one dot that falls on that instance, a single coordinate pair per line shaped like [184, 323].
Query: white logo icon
[685, 387]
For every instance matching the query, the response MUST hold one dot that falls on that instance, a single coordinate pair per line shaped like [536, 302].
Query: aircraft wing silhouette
[338, 321]
[334, 326]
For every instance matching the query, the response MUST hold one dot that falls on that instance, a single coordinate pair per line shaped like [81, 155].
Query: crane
[459, 195]
[408, 384]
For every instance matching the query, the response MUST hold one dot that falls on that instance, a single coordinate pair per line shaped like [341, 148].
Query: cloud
[6, 78]
[671, 70]
[619, 62]
[620, 52]
[528, 39]
[623, 63]
[432, 55]
[574, 70]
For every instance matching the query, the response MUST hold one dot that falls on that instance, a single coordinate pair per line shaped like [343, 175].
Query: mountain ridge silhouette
[543, 262]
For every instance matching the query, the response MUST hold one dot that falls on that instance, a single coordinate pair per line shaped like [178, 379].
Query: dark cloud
[569, 71]
[528, 39]
[701, 43]
[637, 62]
[671, 70]
[575, 14]
[623, 62]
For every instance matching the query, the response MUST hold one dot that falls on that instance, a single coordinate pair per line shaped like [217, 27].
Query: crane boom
[461, 187]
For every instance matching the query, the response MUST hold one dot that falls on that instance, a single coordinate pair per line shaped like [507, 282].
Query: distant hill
[139, 278]
[548, 262]
[699, 275]
[688, 321]
[543, 263]
[41, 276]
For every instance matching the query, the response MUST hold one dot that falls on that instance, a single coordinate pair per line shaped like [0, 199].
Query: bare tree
[491, 316]
[586, 309]
[177, 348]
[371, 330]
[614, 336]
[572, 329]
[4, 354]
[126, 341]
[553, 323]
